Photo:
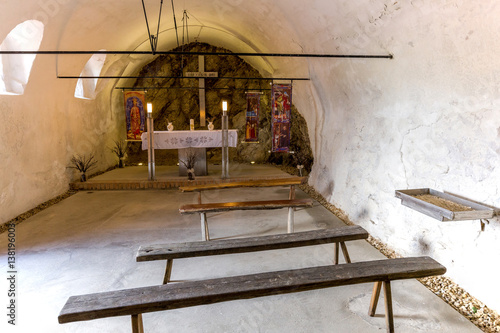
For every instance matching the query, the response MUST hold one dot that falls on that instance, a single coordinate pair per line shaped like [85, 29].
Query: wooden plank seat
[135, 302]
[203, 209]
[173, 251]
[288, 181]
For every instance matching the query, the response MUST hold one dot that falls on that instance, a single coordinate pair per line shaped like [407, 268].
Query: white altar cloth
[189, 139]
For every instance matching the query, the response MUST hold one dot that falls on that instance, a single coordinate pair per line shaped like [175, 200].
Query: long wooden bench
[203, 209]
[288, 181]
[135, 302]
[173, 251]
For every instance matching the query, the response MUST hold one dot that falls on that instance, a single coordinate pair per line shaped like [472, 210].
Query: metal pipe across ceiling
[237, 54]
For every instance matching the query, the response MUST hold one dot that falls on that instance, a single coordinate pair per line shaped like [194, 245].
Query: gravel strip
[24, 216]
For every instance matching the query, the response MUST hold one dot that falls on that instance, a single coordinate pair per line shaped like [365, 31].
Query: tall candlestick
[225, 150]
[151, 149]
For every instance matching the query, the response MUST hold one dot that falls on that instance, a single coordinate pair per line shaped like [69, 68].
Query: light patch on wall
[15, 69]
[86, 88]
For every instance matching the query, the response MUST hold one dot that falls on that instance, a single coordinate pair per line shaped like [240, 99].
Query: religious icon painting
[135, 114]
[252, 117]
[281, 116]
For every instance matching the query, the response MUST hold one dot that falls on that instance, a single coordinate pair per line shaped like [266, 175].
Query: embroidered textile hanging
[252, 119]
[135, 114]
[281, 116]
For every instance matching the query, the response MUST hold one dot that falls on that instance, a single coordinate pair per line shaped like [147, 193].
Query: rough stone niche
[174, 102]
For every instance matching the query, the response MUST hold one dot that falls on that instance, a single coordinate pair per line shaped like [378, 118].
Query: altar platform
[136, 177]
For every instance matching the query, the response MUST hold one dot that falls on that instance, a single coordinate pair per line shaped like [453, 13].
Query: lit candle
[224, 105]
[150, 108]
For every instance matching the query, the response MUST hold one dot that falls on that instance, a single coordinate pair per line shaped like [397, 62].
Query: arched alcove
[86, 87]
[15, 69]
[177, 101]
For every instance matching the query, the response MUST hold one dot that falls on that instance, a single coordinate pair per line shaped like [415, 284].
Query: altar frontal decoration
[135, 114]
[189, 139]
[252, 119]
[281, 116]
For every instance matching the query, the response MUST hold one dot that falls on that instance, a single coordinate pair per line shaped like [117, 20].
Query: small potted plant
[83, 164]
[120, 150]
[189, 162]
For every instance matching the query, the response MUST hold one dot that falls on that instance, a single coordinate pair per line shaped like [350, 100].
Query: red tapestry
[281, 116]
[135, 114]
[252, 123]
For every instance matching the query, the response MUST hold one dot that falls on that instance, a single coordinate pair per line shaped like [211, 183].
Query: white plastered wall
[45, 126]
[429, 118]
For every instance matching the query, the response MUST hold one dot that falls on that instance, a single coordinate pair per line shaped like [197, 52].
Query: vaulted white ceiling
[279, 26]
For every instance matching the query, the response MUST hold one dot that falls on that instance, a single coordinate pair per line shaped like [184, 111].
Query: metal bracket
[153, 39]
[483, 223]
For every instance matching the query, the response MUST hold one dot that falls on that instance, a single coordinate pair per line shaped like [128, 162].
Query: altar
[196, 141]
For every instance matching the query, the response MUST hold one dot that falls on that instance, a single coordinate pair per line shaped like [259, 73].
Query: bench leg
[291, 210]
[345, 253]
[137, 326]
[292, 192]
[336, 254]
[199, 197]
[207, 234]
[290, 220]
[168, 271]
[375, 296]
[204, 227]
[389, 317]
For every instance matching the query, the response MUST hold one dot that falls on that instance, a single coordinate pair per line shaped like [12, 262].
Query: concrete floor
[87, 243]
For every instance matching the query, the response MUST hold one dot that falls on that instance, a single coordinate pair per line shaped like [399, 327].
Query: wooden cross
[201, 74]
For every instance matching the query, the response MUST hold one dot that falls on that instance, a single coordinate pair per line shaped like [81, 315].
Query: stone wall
[174, 101]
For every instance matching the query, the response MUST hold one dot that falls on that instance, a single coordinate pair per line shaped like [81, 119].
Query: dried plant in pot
[120, 150]
[189, 162]
[83, 164]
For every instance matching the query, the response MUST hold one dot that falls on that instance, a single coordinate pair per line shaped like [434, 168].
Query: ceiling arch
[113, 25]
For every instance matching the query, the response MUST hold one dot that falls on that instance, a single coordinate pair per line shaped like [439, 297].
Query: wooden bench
[173, 251]
[203, 209]
[289, 181]
[135, 302]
